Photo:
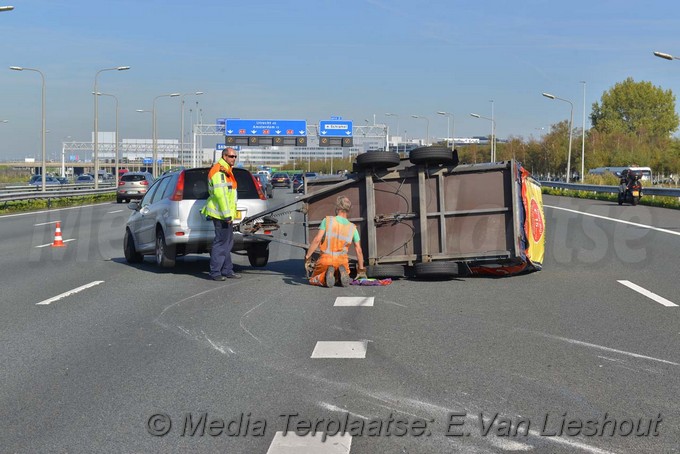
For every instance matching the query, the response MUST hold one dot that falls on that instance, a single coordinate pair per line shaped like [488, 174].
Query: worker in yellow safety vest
[221, 209]
[334, 236]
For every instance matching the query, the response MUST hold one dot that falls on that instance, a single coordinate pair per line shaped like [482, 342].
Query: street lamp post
[492, 152]
[117, 157]
[427, 130]
[155, 139]
[181, 140]
[571, 121]
[96, 121]
[44, 131]
[395, 115]
[583, 133]
[6, 8]
[449, 116]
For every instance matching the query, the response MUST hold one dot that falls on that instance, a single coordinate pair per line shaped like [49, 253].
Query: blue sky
[316, 59]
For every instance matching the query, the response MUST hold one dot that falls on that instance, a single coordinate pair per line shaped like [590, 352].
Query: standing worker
[221, 208]
[335, 235]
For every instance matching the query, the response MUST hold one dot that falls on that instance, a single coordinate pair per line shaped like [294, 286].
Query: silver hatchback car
[168, 223]
[133, 185]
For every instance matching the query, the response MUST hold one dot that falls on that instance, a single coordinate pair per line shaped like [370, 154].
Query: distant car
[266, 185]
[85, 179]
[133, 185]
[168, 223]
[297, 181]
[280, 180]
[307, 176]
[62, 180]
[36, 180]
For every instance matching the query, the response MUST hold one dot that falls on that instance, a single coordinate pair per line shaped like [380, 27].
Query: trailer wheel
[384, 271]
[432, 155]
[377, 160]
[436, 270]
[258, 255]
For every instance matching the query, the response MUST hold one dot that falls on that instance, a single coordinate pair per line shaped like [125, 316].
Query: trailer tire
[432, 155]
[384, 271]
[377, 160]
[436, 270]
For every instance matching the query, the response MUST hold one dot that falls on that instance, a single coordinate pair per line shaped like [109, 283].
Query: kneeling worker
[335, 235]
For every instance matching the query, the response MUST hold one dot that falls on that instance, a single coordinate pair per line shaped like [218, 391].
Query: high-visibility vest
[222, 186]
[338, 237]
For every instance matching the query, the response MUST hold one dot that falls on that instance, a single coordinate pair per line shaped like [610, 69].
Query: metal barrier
[647, 190]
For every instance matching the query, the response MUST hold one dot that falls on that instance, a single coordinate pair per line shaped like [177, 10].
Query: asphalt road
[548, 362]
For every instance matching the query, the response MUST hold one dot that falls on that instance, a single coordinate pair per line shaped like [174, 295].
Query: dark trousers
[220, 255]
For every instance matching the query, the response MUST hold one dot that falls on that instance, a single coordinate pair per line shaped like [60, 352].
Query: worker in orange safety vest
[334, 237]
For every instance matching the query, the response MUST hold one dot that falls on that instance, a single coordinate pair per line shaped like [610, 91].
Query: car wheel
[432, 155]
[258, 255]
[436, 270]
[165, 255]
[131, 254]
[377, 160]
[393, 271]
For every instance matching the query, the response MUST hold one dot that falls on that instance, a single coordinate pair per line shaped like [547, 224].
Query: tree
[637, 108]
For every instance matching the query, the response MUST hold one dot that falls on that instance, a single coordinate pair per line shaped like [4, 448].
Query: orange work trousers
[326, 260]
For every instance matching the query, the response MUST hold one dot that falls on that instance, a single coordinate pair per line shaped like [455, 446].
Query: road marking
[112, 212]
[658, 229]
[648, 294]
[45, 223]
[70, 292]
[340, 349]
[361, 301]
[292, 443]
[50, 244]
[600, 347]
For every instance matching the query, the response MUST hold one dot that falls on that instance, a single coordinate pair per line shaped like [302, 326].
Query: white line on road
[292, 443]
[606, 349]
[45, 223]
[648, 294]
[340, 349]
[658, 229]
[50, 244]
[361, 301]
[70, 292]
[117, 211]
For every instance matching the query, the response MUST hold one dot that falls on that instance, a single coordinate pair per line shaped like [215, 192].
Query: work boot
[330, 277]
[344, 277]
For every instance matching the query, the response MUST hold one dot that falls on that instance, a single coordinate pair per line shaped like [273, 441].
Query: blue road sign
[220, 124]
[266, 128]
[220, 146]
[147, 161]
[335, 128]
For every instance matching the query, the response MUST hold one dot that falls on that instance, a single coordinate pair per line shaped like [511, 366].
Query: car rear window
[196, 184]
[128, 177]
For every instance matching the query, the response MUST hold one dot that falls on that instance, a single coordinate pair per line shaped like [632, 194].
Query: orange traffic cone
[58, 242]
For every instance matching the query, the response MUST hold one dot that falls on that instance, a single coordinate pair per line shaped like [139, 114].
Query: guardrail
[647, 190]
[49, 195]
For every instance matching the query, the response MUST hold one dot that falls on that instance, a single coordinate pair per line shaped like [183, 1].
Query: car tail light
[178, 194]
[144, 183]
[121, 183]
[258, 187]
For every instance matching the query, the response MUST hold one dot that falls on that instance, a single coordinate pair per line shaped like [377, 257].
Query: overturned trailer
[428, 217]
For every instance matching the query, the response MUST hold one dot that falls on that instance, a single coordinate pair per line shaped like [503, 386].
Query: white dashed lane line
[70, 292]
[357, 301]
[50, 244]
[292, 443]
[648, 294]
[340, 349]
